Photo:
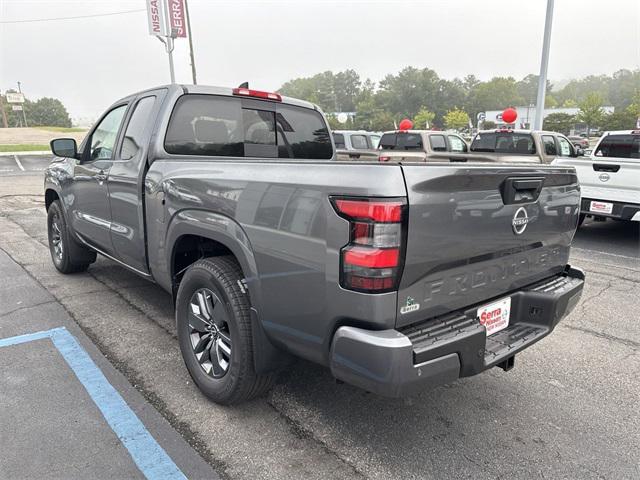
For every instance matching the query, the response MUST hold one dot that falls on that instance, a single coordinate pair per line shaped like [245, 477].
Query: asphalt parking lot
[568, 410]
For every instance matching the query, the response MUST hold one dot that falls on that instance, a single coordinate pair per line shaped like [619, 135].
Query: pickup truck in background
[610, 177]
[422, 146]
[521, 146]
[356, 145]
[396, 276]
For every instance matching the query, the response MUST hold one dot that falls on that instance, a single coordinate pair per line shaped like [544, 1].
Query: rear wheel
[214, 331]
[68, 256]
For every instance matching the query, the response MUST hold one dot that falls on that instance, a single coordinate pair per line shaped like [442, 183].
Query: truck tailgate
[613, 179]
[477, 232]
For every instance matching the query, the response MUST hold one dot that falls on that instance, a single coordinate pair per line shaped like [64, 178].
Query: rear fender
[229, 233]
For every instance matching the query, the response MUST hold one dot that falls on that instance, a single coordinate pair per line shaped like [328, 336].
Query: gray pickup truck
[397, 276]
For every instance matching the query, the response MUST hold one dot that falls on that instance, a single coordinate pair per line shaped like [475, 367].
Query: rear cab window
[214, 125]
[504, 142]
[619, 146]
[401, 141]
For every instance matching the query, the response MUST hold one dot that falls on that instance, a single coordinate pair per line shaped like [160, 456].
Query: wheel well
[50, 196]
[190, 248]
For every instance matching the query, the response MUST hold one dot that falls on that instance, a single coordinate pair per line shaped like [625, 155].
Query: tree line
[427, 99]
[45, 111]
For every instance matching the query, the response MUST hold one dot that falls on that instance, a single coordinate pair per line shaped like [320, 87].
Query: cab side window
[359, 142]
[457, 144]
[565, 147]
[136, 128]
[103, 138]
[438, 143]
[549, 145]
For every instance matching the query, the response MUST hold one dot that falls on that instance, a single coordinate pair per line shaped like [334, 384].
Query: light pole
[542, 79]
[24, 115]
[168, 43]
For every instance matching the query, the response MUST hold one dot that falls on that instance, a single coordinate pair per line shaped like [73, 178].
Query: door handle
[605, 167]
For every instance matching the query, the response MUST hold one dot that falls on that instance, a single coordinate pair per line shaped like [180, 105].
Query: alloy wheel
[56, 237]
[209, 332]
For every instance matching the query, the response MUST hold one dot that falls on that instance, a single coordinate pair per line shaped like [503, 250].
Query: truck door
[125, 183]
[89, 213]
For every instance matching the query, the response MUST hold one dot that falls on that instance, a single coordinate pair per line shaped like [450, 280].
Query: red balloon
[509, 115]
[406, 124]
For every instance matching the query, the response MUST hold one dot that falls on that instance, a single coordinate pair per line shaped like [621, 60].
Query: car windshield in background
[401, 141]
[338, 139]
[218, 126]
[619, 146]
[504, 142]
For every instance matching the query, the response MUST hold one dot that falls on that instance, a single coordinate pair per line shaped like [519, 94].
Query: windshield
[619, 146]
[504, 142]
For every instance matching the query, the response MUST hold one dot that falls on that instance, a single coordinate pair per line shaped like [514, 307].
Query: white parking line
[604, 253]
[18, 162]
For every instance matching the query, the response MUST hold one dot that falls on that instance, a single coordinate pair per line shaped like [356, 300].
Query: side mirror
[579, 152]
[64, 147]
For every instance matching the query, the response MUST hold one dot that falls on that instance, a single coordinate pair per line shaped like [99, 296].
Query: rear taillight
[372, 260]
[383, 158]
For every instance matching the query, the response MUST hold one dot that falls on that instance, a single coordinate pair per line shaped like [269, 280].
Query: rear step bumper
[395, 363]
[620, 210]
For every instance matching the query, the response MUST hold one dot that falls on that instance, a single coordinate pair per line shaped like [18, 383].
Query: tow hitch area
[508, 364]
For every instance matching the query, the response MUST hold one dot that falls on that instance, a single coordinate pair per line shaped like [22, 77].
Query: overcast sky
[88, 63]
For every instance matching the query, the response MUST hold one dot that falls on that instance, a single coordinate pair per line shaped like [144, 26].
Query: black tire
[68, 255]
[206, 332]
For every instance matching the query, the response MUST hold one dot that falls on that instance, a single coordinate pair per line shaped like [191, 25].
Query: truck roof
[213, 90]
[516, 130]
[417, 131]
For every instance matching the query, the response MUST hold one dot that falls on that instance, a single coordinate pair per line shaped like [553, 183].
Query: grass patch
[62, 129]
[31, 147]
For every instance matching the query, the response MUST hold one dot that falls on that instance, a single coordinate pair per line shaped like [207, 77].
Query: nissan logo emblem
[604, 177]
[520, 221]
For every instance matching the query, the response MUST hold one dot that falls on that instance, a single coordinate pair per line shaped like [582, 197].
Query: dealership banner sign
[166, 18]
[176, 18]
[156, 17]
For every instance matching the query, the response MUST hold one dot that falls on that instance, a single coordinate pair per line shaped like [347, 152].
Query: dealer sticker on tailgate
[495, 316]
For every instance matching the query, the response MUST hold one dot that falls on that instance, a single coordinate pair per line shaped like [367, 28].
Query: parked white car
[610, 177]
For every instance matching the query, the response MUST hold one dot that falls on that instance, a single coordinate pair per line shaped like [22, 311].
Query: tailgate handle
[521, 190]
[605, 167]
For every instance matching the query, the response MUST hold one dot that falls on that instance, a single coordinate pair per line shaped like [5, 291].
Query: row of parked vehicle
[609, 174]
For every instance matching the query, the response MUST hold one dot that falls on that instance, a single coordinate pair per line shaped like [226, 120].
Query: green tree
[619, 120]
[496, 94]
[488, 125]
[591, 111]
[456, 119]
[423, 119]
[559, 122]
[47, 111]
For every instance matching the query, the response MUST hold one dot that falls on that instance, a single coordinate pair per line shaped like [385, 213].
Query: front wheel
[215, 334]
[67, 255]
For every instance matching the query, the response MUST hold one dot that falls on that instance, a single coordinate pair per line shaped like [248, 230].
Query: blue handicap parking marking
[148, 455]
